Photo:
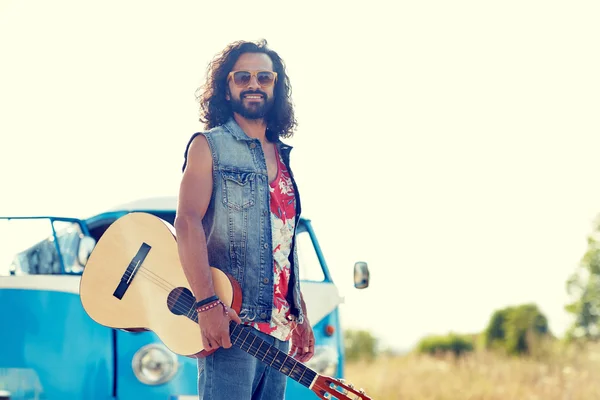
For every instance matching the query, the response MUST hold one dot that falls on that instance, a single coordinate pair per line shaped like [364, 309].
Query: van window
[69, 234]
[27, 246]
[310, 266]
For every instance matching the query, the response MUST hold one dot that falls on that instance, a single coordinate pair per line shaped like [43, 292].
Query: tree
[583, 286]
[359, 345]
[513, 328]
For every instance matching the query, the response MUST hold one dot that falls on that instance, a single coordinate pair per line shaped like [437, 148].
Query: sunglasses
[242, 78]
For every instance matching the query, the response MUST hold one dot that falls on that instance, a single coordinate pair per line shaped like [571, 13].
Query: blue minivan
[51, 349]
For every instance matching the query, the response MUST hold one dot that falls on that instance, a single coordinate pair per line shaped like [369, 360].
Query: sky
[451, 145]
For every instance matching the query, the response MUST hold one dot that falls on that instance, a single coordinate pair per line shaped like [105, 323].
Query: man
[238, 210]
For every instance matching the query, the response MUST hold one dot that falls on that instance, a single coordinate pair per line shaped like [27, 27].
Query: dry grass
[556, 373]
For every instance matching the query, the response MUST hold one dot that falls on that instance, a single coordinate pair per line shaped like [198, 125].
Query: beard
[254, 110]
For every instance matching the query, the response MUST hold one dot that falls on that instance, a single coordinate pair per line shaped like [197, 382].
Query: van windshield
[28, 247]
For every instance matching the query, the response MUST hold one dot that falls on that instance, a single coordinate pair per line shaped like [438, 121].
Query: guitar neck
[251, 343]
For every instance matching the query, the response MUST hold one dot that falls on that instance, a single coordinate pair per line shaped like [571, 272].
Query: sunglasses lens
[241, 78]
[265, 78]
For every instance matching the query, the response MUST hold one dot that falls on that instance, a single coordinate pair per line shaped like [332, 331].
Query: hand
[214, 327]
[303, 342]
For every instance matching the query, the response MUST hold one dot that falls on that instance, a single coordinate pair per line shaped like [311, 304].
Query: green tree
[583, 286]
[513, 328]
[359, 344]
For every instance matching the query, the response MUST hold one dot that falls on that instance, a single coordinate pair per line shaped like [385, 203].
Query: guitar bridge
[131, 270]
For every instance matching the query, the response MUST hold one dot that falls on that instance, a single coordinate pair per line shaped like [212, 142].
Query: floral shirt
[283, 214]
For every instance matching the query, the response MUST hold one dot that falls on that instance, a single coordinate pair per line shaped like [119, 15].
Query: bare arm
[194, 197]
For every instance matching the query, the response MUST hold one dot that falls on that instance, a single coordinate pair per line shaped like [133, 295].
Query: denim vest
[237, 222]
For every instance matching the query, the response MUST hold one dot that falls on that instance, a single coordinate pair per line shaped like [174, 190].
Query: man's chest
[271, 161]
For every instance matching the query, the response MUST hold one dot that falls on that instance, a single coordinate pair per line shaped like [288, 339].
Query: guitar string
[128, 273]
[155, 281]
[158, 280]
[185, 310]
[155, 278]
[168, 286]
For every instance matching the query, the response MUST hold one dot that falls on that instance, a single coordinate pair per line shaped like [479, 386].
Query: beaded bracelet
[208, 306]
[215, 303]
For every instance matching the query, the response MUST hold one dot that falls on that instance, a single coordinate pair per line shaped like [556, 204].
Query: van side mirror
[86, 245]
[361, 275]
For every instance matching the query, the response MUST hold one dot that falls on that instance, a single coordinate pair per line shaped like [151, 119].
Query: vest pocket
[238, 189]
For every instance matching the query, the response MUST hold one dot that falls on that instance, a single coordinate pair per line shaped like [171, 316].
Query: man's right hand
[214, 327]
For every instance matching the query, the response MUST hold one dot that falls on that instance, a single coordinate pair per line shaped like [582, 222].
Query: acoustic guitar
[134, 281]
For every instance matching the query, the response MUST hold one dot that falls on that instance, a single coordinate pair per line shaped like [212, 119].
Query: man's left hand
[303, 342]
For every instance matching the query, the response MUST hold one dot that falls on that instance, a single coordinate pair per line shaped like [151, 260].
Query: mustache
[247, 92]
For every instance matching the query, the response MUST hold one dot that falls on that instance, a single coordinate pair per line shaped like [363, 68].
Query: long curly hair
[215, 109]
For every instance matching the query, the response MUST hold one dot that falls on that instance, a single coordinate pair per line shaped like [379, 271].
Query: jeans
[233, 374]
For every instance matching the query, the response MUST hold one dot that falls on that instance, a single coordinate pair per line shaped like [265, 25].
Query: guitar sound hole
[180, 301]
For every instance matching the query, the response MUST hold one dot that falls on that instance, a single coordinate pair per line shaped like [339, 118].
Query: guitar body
[134, 281]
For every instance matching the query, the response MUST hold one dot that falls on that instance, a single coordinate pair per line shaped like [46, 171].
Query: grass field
[556, 373]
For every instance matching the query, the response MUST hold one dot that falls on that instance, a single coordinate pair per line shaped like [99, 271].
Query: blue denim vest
[237, 222]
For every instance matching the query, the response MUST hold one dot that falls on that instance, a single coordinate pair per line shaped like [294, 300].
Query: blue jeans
[233, 374]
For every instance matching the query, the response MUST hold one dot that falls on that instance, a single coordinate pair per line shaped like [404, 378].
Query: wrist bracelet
[208, 306]
[206, 301]
[215, 303]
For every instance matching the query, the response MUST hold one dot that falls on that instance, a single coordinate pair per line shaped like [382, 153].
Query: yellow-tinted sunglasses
[243, 78]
